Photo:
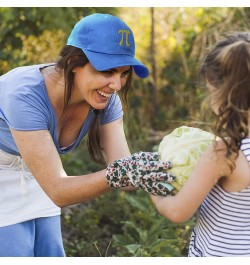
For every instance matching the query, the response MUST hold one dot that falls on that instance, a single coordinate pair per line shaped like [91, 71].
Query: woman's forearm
[70, 190]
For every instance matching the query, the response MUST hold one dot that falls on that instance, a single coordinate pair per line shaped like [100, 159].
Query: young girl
[220, 183]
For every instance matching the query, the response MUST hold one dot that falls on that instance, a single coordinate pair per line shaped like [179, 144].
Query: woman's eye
[107, 73]
[125, 74]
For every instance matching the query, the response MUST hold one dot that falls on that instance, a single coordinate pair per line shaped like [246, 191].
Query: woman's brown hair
[70, 58]
[227, 69]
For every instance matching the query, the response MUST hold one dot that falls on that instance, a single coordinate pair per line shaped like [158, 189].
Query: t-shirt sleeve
[25, 111]
[113, 111]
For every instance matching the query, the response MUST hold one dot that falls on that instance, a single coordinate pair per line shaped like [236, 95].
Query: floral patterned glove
[142, 170]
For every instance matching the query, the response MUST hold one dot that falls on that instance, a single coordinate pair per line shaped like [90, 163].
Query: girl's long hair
[227, 69]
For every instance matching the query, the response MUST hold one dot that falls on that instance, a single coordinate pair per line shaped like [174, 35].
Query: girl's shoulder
[239, 178]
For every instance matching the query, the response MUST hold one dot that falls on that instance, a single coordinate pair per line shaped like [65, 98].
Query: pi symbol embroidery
[124, 39]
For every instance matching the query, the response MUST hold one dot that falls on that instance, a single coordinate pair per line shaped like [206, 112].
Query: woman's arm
[113, 141]
[39, 153]
[181, 207]
[112, 134]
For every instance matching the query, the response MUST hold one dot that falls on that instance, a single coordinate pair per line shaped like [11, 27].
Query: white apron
[21, 197]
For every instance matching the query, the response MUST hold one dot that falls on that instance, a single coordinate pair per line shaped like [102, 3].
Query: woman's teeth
[104, 94]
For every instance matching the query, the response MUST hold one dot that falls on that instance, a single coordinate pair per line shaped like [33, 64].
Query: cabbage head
[183, 147]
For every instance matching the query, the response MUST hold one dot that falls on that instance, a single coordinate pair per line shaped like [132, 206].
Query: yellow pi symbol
[125, 34]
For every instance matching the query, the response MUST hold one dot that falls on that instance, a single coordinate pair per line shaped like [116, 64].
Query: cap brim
[102, 62]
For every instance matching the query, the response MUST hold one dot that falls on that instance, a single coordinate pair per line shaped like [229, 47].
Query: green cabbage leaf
[183, 147]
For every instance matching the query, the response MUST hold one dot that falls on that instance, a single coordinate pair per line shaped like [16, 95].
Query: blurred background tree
[171, 42]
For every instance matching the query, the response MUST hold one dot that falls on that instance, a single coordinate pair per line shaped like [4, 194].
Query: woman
[46, 110]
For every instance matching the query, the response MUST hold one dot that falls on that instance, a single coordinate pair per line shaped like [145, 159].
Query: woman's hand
[142, 170]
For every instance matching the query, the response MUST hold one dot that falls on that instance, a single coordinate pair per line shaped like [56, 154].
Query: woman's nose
[115, 83]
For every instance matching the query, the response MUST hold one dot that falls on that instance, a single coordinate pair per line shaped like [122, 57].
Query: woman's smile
[104, 94]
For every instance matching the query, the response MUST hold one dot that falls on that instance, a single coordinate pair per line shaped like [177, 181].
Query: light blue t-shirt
[25, 106]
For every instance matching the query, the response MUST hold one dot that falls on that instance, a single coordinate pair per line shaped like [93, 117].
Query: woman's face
[96, 87]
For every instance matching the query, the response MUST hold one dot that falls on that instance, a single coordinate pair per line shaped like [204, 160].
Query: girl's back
[223, 226]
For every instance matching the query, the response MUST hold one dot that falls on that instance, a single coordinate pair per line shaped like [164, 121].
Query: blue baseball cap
[107, 42]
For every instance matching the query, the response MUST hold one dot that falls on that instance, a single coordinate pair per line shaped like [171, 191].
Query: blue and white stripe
[223, 226]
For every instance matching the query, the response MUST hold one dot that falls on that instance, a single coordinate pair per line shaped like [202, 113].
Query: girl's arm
[181, 207]
[39, 153]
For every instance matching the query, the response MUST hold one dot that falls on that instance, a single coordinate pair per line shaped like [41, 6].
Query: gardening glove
[142, 170]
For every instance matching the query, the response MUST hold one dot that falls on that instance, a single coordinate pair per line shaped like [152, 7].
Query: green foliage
[147, 234]
[42, 27]
[88, 228]
[122, 224]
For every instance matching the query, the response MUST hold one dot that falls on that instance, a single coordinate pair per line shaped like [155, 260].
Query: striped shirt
[223, 225]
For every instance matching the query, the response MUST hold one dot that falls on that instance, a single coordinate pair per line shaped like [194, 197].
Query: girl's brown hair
[70, 58]
[227, 69]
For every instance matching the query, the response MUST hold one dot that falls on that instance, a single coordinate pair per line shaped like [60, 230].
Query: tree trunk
[154, 68]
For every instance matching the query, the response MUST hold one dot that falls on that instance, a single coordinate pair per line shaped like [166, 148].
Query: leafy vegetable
[183, 147]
